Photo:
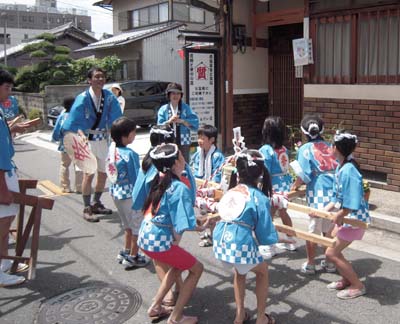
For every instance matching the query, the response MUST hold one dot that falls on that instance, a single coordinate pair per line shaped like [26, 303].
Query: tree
[53, 65]
[80, 67]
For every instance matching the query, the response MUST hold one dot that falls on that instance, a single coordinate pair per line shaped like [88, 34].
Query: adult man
[92, 115]
[8, 183]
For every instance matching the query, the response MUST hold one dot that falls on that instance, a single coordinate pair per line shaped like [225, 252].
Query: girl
[168, 213]
[315, 166]
[277, 162]
[245, 226]
[180, 117]
[117, 91]
[349, 199]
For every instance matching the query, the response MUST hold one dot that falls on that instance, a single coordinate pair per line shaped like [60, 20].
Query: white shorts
[131, 219]
[12, 185]
[100, 151]
[319, 225]
[240, 268]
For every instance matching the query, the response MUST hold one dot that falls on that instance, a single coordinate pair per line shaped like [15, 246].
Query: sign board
[201, 81]
[302, 51]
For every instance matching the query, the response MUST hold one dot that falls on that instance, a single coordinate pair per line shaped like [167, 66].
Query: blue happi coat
[83, 114]
[237, 241]
[187, 114]
[10, 108]
[349, 193]
[128, 165]
[6, 146]
[277, 163]
[318, 165]
[175, 214]
[217, 160]
[143, 185]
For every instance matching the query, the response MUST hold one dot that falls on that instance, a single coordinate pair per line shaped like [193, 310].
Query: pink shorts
[176, 257]
[349, 234]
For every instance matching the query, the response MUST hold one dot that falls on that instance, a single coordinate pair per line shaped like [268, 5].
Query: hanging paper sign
[302, 51]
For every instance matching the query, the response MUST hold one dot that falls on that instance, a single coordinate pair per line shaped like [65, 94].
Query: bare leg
[128, 240]
[343, 266]
[100, 182]
[239, 284]
[262, 286]
[87, 184]
[286, 220]
[64, 171]
[161, 270]
[311, 248]
[189, 284]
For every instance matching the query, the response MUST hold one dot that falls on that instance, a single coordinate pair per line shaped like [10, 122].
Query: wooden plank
[23, 199]
[51, 187]
[210, 184]
[296, 193]
[27, 183]
[325, 214]
[325, 241]
[279, 17]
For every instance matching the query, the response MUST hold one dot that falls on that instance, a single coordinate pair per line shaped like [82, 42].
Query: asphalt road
[74, 253]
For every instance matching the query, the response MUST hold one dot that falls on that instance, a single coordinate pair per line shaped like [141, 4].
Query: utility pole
[4, 17]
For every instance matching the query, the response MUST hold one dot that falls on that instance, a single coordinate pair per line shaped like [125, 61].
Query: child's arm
[339, 215]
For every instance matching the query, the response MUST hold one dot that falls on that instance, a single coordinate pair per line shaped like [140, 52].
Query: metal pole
[4, 15]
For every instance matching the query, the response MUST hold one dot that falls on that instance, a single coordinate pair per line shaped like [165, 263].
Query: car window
[146, 89]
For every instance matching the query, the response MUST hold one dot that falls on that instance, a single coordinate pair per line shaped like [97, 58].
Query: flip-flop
[205, 242]
[160, 313]
[337, 285]
[270, 319]
[351, 293]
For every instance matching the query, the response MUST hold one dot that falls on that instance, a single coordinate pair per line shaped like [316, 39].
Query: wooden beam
[253, 27]
[326, 215]
[328, 242]
[279, 17]
[28, 200]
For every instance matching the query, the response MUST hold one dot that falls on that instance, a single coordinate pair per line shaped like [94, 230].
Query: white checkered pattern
[121, 192]
[100, 136]
[150, 242]
[362, 214]
[319, 199]
[282, 187]
[232, 253]
[185, 139]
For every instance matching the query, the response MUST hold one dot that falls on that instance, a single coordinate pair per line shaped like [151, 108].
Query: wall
[249, 112]
[161, 60]
[377, 125]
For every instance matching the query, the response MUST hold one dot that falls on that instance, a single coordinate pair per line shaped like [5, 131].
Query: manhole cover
[95, 304]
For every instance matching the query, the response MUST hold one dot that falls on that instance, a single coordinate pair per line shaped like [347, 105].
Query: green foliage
[47, 36]
[109, 63]
[34, 113]
[25, 79]
[38, 53]
[62, 50]
[8, 68]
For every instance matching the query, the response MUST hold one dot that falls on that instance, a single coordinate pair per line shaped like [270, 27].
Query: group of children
[155, 202]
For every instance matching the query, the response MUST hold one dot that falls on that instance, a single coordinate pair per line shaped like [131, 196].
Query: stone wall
[377, 125]
[249, 112]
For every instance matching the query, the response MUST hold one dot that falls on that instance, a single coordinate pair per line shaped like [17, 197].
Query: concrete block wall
[249, 112]
[377, 125]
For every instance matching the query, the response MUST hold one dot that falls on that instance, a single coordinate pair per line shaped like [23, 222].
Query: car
[53, 114]
[143, 99]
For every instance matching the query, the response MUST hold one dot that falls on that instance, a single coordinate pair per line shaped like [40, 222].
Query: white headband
[163, 132]
[309, 128]
[250, 159]
[162, 155]
[340, 136]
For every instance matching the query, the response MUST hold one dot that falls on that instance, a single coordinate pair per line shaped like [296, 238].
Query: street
[74, 253]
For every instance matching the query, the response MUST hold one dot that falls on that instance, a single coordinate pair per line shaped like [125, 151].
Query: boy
[126, 163]
[8, 183]
[58, 136]
[207, 165]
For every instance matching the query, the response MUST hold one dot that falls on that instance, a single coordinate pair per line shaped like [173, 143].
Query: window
[184, 12]
[153, 15]
[163, 12]
[135, 18]
[360, 47]
[8, 39]
[196, 15]
[31, 19]
[144, 17]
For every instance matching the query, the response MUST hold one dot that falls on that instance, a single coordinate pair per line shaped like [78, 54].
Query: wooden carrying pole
[325, 214]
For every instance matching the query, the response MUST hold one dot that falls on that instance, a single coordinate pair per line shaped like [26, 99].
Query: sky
[101, 18]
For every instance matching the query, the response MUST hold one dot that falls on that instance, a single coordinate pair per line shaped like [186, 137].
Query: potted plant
[367, 190]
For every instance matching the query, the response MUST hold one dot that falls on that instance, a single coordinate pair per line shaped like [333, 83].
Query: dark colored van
[143, 99]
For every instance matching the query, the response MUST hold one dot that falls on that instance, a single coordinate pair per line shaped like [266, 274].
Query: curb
[385, 222]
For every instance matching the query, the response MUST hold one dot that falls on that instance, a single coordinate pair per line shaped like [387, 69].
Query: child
[277, 162]
[123, 132]
[245, 225]
[168, 213]
[207, 164]
[159, 134]
[8, 183]
[315, 166]
[349, 200]
[57, 136]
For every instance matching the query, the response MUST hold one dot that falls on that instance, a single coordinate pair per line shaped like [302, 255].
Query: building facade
[23, 22]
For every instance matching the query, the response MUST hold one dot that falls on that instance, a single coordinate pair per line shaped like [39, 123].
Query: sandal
[351, 293]
[245, 319]
[169, 302]
[338, 285]
[159, 313]
[205, 235]
[206, 242]
[270, 319]
[184, 320]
